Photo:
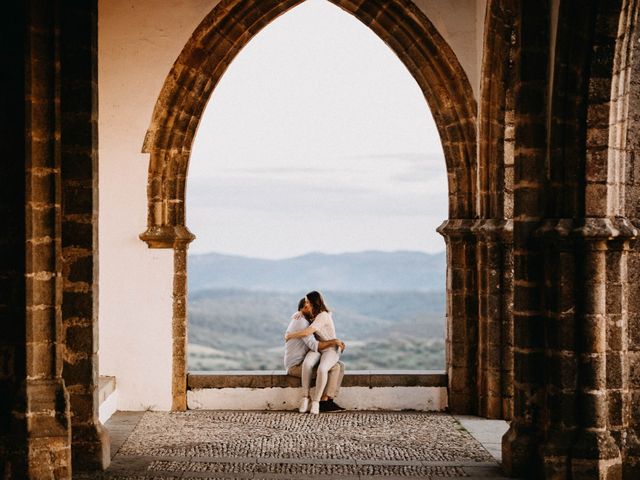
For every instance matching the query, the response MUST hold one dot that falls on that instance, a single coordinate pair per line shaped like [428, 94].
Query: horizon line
[314, 252]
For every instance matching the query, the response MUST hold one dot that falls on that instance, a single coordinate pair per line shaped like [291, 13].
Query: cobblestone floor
[279, 445]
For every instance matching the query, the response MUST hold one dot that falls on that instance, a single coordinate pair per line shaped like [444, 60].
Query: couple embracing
[311, 340]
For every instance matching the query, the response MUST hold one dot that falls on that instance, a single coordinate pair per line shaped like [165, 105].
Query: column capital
[457, 228]
[605, 228]
[555, 228]
[494, 229]
[167, 236]
[588, 228]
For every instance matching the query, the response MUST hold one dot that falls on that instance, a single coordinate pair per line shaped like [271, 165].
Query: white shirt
[324, 327]
[296, 349]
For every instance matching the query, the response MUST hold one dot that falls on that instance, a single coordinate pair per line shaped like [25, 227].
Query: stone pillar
[520, 443]
[492, 235]
[507, 323]
[462, 320]
[617, 339]
[632, 398]
[46, 401]
[561, 363]
[12, 242]
[180, 326]
[177, 237]
[180, 290]
[79, 152]
[595, 454]
[520, 452]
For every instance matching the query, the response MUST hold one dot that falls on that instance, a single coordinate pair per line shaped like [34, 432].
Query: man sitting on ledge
[295, 352]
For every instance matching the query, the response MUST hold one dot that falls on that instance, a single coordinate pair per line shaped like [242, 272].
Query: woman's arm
[301, 333]
[331, 343]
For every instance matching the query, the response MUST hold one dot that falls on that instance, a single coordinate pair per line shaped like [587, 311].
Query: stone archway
[201, 64]
[571, 242]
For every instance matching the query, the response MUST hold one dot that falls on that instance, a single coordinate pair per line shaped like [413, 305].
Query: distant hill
[242, 330]
[388, 306]
[354, 272]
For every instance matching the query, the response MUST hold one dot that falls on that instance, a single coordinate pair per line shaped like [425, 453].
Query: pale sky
[316, 139]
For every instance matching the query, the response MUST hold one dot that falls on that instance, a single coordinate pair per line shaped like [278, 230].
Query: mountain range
[354, 272]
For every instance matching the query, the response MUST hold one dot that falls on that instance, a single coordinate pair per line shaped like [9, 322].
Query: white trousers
[305, 371]
[328, 359]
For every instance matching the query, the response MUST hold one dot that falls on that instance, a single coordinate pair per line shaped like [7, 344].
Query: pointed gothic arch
[199, 67]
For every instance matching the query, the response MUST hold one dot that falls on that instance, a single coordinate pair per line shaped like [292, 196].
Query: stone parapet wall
[279, 379]
[360, 390]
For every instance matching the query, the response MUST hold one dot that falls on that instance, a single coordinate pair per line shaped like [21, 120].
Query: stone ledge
[279, 378]
[107, 385]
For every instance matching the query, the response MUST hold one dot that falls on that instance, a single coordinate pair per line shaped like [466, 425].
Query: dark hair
[317, 303]
[301, 303]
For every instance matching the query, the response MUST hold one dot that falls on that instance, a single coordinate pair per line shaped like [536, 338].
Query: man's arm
[305, 332]
[311, 342]
[298, 323]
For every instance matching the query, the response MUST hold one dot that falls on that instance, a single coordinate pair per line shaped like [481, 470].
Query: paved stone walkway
[286, 445]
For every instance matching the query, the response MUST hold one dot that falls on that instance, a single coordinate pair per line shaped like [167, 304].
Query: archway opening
[331, 176]
[189, 85]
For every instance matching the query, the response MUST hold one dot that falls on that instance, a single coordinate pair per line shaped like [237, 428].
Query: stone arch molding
[230, 26]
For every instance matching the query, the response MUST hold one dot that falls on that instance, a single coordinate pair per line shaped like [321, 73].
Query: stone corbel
[457, 228]
[167, 236]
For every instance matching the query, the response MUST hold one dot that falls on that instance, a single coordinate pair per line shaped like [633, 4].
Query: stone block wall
[47, 397]
[572, 239]
[543, 314]
[12, 241]
[45, 402]
[79, 226]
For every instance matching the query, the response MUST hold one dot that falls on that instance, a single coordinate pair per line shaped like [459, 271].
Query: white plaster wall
[427, 399]
[108, 407]
[138, 42]
[461, 24]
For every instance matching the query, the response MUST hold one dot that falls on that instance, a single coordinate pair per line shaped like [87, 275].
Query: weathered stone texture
[12, 242]
[543, 315]
[46, 402]
[79, 153]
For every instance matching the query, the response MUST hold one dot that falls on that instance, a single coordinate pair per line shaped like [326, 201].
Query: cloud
[287, 135]
[275, 170]
[426, 159]
[276, 196]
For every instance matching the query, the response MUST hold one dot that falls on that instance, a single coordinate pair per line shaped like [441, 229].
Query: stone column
[180, 327]
[462, 320]
[177, 237]
[507, 323]
[12, 241]
[79, 153]
[520, 443]
[595, 454]
[45, 406]
[617, 338]
[561, 363]
[632, 398]
[492, 235]
[520, 452]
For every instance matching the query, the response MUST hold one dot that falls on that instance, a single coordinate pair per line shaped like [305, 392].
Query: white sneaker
[315, 408]
[304, 405]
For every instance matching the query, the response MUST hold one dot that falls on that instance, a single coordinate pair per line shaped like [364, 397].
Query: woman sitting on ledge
[322, 326]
